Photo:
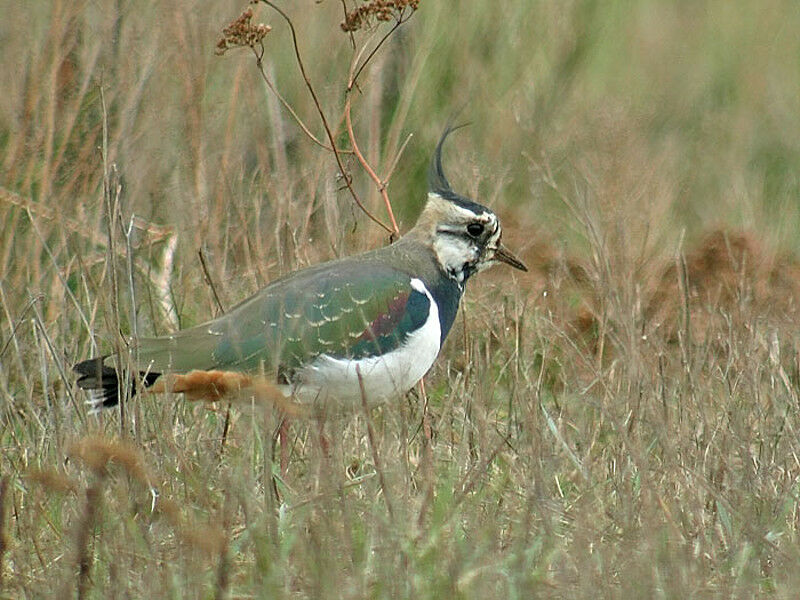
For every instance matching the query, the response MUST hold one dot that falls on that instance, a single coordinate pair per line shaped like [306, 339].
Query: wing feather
[347, 310]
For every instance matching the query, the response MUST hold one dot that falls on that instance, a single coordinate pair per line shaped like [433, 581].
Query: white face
[465, 241]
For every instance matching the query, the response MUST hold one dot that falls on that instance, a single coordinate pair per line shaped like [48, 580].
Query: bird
[364, 327]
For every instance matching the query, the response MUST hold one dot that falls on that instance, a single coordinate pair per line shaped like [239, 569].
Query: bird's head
[464, 235]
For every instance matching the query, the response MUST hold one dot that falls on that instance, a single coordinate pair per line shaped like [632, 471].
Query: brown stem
[397, 156]
[4, 540]
[111, 199]
[349, 33]
[354, 78]
[355, 72]
[427, 457]
[380, 183]
[207, 276]
[286, 105]
[224, 566]
[209, 281]
[85, 532]
[336, 152]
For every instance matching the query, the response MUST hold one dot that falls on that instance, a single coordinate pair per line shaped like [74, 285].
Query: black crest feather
[437, 180]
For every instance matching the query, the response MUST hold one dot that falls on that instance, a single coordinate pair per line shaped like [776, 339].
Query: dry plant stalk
[94, 495]
[4, 542]
[378, 10]
[52, 481]
[99, 453]
[224, 556]
[242, 33]
[208, 540]
[376, 458]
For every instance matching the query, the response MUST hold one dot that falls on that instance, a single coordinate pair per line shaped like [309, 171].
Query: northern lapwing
[369, 325]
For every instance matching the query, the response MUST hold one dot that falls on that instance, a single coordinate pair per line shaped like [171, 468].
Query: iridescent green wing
[347, 309]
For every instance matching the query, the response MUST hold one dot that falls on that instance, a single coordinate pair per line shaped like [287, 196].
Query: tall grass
[620, 422]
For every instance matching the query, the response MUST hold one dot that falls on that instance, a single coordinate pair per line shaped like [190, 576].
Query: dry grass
[620, 422]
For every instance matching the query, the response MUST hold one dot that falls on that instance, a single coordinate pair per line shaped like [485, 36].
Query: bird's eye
[475, 229]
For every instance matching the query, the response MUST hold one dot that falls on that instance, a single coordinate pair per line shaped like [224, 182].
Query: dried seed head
[52, 480]
[241, 32]
[378, 10]
[98, 454]
[207, 539]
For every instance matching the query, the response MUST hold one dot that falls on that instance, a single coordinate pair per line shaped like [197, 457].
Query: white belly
[330, 379]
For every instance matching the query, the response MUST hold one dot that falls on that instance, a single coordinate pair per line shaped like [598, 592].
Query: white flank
[384, 377]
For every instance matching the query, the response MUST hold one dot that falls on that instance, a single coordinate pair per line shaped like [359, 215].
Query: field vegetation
[620, 422]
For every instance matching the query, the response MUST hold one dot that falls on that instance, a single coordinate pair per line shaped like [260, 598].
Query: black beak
[502, 254]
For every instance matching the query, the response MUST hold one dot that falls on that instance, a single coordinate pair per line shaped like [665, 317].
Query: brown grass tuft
[52, 480]
[208, 540]
[99, 453]
[728, 273]
[212, 386]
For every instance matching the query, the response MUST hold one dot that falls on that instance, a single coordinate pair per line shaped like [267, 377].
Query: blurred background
[643, 157]
[660, 120]
[664, 117]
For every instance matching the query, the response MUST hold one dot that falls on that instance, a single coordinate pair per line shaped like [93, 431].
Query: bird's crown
[463, 234]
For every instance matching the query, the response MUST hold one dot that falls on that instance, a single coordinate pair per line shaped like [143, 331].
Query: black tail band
[103, 382]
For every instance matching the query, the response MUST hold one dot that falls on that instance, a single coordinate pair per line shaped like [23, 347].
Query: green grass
[621, 422]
